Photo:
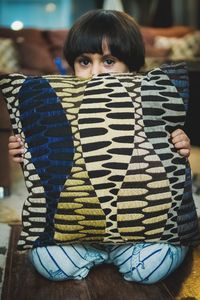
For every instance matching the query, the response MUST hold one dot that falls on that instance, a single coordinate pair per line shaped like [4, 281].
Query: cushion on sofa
[173, 31]
[187, 47]
[9, 60]
[33, 50]
[99, 164]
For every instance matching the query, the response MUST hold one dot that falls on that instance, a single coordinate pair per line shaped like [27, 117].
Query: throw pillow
[99, 165]
[187, 47]
[9, 61]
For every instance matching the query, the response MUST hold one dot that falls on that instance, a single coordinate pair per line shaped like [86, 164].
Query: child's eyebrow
[109, 55]
[84, 55]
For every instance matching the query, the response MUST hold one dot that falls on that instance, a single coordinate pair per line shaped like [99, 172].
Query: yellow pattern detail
[155, 231]
[80, 188]
[62, 237]
[87, 200]
[159, 196]
[132, 192]
[70, 117]
[69, 205]
[94, 223]
[74, 182]
[154, 208]
[132, 229]
[77, 155]
[76, 169]
[68, 227]
[69, 217]
[155, 219]
[73, 110]
[73, 194]
[90, 211]
[129, 217]
[82, 174]
[133, 204]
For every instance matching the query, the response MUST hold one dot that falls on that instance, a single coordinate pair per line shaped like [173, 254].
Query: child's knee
[48, 266]
[62, 263]
[150, 263]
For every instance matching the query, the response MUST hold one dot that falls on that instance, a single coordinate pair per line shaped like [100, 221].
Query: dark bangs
[87, 41]
[118, 29]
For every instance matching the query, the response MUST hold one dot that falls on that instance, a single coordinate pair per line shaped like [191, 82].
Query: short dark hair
[119, 30]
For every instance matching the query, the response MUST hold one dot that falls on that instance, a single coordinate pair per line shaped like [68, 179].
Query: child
[104, 41]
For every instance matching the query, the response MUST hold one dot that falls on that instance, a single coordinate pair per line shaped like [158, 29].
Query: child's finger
[16, 152]
[17, 159]
[13, 138]
[14, 145]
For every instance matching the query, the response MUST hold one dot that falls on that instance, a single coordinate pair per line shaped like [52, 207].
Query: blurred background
[62, 13]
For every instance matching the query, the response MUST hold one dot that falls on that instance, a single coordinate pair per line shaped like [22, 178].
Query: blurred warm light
[17, 25]
[50, 7]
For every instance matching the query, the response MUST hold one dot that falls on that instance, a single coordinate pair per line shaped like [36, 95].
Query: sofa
[34, 51]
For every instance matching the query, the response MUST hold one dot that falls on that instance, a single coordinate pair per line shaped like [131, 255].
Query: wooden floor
[103, 283]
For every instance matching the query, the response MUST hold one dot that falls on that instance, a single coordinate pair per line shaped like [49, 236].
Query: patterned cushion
[8, 56]
[99, 164]
[187, 47]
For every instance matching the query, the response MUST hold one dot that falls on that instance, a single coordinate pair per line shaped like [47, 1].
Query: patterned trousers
[145, 263]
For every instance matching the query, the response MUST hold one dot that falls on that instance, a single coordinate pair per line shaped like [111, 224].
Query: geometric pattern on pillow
[172, 115]
[8, 56]
[99, 165]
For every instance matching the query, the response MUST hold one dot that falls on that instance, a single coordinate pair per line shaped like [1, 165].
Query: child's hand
[16, 148]
[181, 142]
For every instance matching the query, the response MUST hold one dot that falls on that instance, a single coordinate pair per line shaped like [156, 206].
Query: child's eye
[84, 61]
[109, 61]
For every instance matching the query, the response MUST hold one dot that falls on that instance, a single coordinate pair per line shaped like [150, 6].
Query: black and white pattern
[120, 178]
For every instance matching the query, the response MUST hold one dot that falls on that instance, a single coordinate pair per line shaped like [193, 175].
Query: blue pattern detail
[182, 84]
[43, 130]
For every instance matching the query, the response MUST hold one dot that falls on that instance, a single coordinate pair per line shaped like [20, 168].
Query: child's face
[89, 64]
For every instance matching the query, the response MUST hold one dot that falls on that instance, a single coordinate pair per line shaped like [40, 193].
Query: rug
[190, 289]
